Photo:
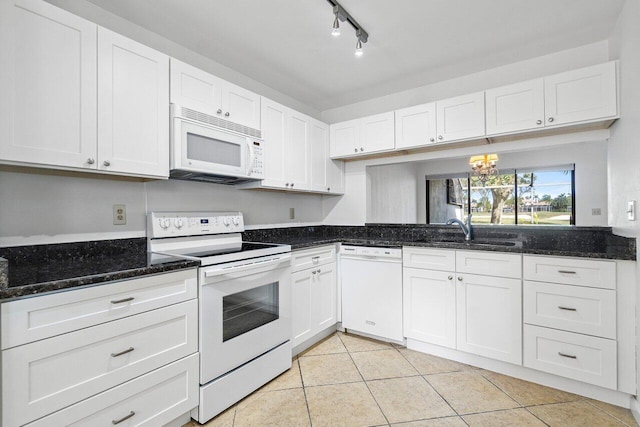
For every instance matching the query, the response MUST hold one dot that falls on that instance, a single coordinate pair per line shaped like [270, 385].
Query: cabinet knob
[319, 271]
[538, 122]
[450, 277]
[432, 139]
[90, 161]
[355, 150]
[440, 137]
[106, 163]
[227, 114]
[361, 149]
[550, 119]
[459, 278]
[328, 188]
[314, 271]
[292, 185]
[219, 111]
[286, 184]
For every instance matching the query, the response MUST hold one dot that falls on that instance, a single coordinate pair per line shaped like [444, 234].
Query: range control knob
[164, 223]
[236, 221]
[226, 221]
[178, 223]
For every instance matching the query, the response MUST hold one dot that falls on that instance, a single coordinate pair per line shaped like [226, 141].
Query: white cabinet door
[194, 88]
[241, 106]
[48, 85]
[377, 133]
[515, 107]
[319, 150]
[580, 95]
[345, 138]
[430, 306]
[275, 130]
[301, 314]
[133, 105]
[297, 152]
[324, 296]
[489, 316]
[461, 117]
[416, 126]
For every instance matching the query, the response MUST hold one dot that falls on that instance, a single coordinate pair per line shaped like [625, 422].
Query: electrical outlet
[292, 213]
[119, 214]
[596, 211]
[631, 210]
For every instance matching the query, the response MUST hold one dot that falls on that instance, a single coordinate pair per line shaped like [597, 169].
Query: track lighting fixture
[342, 15]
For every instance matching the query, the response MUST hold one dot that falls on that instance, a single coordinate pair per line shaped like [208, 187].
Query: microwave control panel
[256, 167]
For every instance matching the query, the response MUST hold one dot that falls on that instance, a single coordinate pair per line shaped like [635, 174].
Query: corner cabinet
[122, 350]
[364, 136]
[314, 293]
[296, 153]
[196, 89]
[78, 111]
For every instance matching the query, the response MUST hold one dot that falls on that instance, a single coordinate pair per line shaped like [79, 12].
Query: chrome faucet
[466, 228]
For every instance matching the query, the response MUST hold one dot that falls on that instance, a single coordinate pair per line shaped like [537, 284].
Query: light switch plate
[631, 210]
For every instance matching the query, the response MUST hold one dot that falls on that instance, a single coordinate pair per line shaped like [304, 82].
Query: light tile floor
[351, 381]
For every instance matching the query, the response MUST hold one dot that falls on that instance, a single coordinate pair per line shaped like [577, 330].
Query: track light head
[336, 27]
[359, 51]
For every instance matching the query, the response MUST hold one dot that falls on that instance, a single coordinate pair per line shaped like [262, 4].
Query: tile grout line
[304, 392]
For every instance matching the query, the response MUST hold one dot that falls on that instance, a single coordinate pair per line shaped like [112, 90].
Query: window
[523, 196]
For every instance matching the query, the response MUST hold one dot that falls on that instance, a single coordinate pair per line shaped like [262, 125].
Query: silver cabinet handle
[570, 356]
[450, 277]
[219, 111]
[440, 137]
[125, 418]
[432, 139]
[314, 272]
[319, 271]
[538, 122]
[120, 301]
[315, 259]
[227, 114]
[90, 161]
[328, 188]
[106, 163]
[459, 278]
[361, 149]
[566, 272]
[355, 150]
[292, 185]
[567, 308]
[286, 184]
[550, 119]
[129, 350]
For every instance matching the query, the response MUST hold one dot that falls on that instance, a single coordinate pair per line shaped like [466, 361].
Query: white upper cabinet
[198, 90]
[580, 95]
[416, 126]
[327, 175]
[363, 136]
[80, 96]
[275, 132]
[460, 118]
[133, 97]
[515, 107]
[297, 152]
[48, 80]
[584, 95]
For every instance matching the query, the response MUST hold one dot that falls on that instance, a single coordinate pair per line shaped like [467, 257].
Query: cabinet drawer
[571, 271]
[155, 399]
[312, 257]
[51, 374]
[489, 263]
[33, 319]
[432, 259]
[580, 357]
[571, 308]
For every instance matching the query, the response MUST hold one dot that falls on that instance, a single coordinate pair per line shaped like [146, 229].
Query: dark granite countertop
[44, 268]
[589, 242]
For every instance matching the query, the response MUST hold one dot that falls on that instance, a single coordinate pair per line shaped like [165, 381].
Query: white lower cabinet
[314, 292]
[446, 305]
[68, 369]
[150, 400]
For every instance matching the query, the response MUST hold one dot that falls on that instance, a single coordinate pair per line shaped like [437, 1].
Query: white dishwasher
[372, 290]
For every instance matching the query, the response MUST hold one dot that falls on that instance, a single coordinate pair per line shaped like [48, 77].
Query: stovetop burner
[242, 247]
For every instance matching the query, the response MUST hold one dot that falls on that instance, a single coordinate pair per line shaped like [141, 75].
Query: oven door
[200, 148]
[245, 311]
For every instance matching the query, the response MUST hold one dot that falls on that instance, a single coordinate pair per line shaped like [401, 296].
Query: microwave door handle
[249, 155]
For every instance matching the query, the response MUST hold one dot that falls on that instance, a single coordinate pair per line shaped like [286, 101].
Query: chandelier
[484, 166]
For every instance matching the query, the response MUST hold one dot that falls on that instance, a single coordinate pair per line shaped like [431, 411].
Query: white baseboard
[635, 409]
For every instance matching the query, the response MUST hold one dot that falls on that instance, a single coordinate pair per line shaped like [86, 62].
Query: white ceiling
[287, 45]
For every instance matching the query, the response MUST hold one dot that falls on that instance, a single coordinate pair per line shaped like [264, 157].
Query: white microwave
[204, 148]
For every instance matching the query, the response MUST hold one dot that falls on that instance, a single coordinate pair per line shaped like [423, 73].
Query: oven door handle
[245, 267]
